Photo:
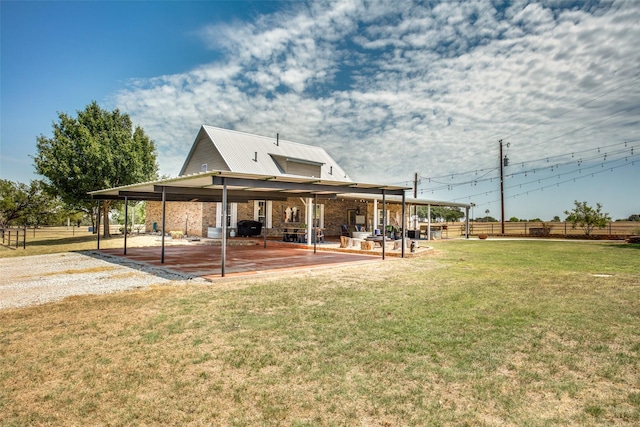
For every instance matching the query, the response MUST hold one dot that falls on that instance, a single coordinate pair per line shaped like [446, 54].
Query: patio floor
[241, 260]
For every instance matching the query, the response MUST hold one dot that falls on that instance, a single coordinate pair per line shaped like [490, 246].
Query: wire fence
[13, 237]
[616, 230]
[19, 238]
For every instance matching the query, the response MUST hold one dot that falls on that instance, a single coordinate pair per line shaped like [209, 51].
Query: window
[203, 168]
[262, 212]
[380, 225]
[232, 215]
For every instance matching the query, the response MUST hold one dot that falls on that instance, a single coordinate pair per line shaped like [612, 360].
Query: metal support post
[384, 223]
[164, 216]
[126, 222]
[223, 256]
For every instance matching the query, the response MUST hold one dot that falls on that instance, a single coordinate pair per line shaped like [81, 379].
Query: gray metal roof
[254, 154]
[207, 186]
[408, 200]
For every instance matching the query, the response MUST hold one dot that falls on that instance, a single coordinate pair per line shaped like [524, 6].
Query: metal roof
[207, 187]
[408, 200]
[255, 154]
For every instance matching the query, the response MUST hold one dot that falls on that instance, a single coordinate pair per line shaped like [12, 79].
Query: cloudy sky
[389, 88]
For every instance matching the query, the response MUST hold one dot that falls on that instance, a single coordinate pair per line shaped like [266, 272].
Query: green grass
[478, 333]
[50, 240]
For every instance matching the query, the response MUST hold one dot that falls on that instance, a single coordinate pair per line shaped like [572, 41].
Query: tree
[98, 149]
[22, 204]
[587, 217]
[446, 213]
[137, 212]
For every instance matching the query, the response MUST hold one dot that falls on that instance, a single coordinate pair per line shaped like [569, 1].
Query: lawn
[478, 333]
[51, 240]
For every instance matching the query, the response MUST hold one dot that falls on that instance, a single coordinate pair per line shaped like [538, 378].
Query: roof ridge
[266, 137]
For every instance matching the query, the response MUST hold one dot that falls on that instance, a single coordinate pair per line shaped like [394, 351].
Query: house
[229, 176]
[216, 149]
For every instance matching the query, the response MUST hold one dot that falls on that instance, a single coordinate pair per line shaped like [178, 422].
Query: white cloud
[391, 89]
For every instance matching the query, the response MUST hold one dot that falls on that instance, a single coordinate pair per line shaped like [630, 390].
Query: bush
[176, 234]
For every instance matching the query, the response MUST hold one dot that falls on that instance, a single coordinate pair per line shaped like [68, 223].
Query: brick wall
[199, 216]
[178, 216]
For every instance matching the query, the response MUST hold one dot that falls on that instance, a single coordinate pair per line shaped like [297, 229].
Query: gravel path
[39, 279]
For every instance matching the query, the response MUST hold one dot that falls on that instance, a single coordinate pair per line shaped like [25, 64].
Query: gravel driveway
[39, 279]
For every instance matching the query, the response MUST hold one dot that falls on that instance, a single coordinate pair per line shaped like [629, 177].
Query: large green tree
[587, 217]
[95, 150]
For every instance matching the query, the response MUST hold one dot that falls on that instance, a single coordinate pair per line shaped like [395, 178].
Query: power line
[625, 150]
[630, 161]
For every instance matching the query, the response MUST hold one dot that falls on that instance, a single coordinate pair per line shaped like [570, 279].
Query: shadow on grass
[63, 241]
[635, 246]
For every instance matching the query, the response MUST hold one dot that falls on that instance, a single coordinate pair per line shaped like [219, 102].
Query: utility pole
[504, 161]
[415, 196]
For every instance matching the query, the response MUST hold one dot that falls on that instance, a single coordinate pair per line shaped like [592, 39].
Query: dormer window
[294, 166]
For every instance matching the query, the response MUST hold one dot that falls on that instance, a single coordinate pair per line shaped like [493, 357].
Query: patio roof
[408, 200]
[242, 187]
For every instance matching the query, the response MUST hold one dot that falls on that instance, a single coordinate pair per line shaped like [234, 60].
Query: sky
[390, 89]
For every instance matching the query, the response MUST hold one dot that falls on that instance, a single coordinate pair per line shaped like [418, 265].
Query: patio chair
[345, 231]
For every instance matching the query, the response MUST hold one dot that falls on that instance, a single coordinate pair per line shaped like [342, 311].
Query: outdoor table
[292, 234]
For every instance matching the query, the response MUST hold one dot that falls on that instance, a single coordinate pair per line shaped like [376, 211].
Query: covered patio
[226, 187]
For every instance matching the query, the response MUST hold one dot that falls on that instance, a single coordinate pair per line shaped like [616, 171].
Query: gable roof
[241, 152]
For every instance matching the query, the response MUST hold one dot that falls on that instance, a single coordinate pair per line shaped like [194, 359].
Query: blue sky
[388, 88]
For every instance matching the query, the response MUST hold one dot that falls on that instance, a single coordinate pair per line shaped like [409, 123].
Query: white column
[309, 206]
[375, 214]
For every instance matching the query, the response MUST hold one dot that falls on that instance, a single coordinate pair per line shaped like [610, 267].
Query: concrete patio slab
[241, 260]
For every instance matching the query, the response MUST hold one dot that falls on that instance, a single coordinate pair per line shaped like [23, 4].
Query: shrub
[176, 234]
